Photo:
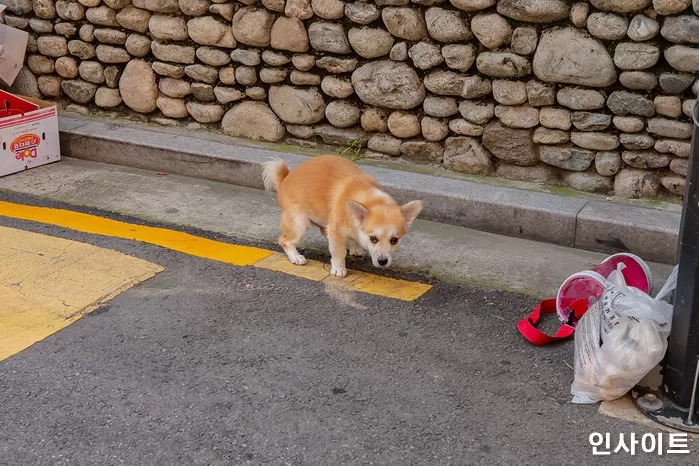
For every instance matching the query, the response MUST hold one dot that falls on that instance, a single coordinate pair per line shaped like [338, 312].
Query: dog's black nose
[382, 262]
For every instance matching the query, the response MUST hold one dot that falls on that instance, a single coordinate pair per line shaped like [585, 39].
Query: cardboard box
[28, 133]
[13, 46]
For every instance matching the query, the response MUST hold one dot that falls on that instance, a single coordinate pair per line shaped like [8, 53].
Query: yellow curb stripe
[215, 250]
[171, 239]
[355, 280]
[47, 283]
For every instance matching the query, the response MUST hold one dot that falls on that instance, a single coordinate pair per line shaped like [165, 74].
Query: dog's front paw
[297, 259]
[338, 271]
[356, 251]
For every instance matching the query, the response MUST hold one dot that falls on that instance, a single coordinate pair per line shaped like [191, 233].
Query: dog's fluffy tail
[273, 173]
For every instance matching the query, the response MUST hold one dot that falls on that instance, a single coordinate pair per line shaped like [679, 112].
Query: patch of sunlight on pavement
[47, 283]
[624, 409]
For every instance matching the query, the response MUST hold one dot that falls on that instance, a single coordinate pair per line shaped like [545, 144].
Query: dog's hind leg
[323, 230]
[294, 225]
[354, 248]
[338, 253]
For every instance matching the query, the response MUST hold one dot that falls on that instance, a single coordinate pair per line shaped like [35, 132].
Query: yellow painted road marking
[355, 280]
[171, 239]
[47, 283]
[215, 250]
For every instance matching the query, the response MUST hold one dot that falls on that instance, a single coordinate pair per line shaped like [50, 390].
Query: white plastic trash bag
[620, 339]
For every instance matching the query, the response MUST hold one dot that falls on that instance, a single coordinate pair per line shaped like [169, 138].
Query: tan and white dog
[349, 206]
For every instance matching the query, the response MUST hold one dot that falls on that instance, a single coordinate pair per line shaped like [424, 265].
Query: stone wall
[596, 96]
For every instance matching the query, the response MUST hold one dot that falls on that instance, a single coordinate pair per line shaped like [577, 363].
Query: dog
[349, 207]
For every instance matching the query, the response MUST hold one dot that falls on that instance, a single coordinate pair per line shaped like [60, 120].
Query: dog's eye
[394, 241]
[373, 239]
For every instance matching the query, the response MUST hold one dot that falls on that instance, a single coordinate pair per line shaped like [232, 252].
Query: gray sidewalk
[446, 251]
[588, 222]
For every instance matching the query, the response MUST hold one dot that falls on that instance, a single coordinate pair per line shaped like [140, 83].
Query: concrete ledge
[568, 221]
[605, 227]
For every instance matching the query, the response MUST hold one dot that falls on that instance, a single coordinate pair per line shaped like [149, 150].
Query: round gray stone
[405, 23]
[569, 56]
[328, 37]
[629, 103]
[70, 11]
[588, 182]
[425, 55]
[298, 106]
[510, 145]
[335, 87]
[638, 80]
[580, 99]
[107, 98]
[607, 163]
[478, 113]
[645, 159]
[79, 91]
[138, 45]
[681, 29]
[534, 11]
[588, 121]
[674, 83]
[92, 71]
[459, 56]
[441, 107]
[465, 128]
[212, 56]
[621, 6]
[579, 13]
[446, 25]
[628, 124]
[636, 141]
[467, 155]
[134, 19]
[503, 65]
[636, 56]
[472, 5]
[388, 84]
[594, 140]
[403, 124]
[138, 88]
[491, 30]
[555, 118]
[568, 158]
[370, 42]
[669, 128]
[524, 40]
[642, 28]
[362, 12]
[434, 129]
[607, 26]
[634, 184]
[509, 92]
[683, 58]
[670, 7]
[253, 120]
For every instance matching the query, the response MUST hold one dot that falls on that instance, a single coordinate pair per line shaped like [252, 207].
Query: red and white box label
[28, 133]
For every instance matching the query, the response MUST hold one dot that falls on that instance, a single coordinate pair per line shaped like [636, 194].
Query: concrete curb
[574, 222]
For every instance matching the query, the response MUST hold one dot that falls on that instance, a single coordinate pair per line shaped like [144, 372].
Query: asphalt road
[207, 363]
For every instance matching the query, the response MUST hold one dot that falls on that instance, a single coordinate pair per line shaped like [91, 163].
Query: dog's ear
[358, 210]
[410, 211]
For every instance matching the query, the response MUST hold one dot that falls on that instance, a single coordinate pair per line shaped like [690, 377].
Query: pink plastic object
[589, 285]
